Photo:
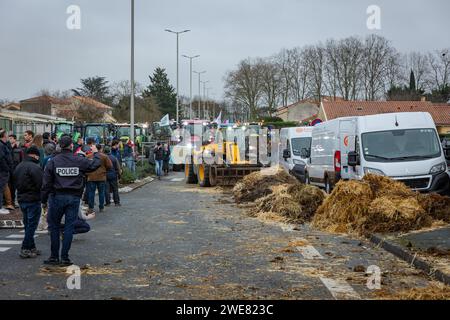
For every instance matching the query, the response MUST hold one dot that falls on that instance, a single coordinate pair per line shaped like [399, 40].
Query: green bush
[127, 176]
[144, 169]
[271, 119]
[282, 124]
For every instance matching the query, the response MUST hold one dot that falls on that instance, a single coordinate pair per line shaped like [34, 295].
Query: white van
[403, 146]
[295, 147]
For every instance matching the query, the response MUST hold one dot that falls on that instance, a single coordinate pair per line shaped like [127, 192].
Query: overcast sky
[37, 51]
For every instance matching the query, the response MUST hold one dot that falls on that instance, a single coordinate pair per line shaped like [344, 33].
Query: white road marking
[309, 252]
[9, 242]
[16, 236]
[340, 289]
[37, 231]
[177, 179]
[4, 249]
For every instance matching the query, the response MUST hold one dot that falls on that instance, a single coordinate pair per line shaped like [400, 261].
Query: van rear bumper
[440, 184]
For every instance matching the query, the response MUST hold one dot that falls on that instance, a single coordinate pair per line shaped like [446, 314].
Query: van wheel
[328, 188]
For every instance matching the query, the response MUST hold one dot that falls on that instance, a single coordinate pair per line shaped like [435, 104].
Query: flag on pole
[219, 119]
[165, 121]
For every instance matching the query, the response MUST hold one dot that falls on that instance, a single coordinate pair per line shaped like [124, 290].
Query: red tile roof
[338, 109]
[47, 99]
[91, 102]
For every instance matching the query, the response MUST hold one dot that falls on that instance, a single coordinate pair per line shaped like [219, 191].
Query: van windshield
[300, 143]
[401, 145]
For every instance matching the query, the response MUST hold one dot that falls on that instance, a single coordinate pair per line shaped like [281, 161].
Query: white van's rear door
[347, 138]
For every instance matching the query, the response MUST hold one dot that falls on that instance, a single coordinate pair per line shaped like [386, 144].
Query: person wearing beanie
[62, 189]
[28, 176]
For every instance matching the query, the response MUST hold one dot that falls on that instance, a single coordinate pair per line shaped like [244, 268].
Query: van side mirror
[286, 154]
[353, 159]
[305, 153]
[447, 153]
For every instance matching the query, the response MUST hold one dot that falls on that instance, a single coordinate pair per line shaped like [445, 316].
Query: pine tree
[94, 87]
[162, 92]
[412, 82]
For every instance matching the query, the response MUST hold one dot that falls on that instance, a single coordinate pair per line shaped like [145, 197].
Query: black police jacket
[64, 174]
[28, 178]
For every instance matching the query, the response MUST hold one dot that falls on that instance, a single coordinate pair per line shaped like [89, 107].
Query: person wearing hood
[28, 176]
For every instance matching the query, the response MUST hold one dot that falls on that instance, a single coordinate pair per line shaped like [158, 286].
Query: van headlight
[373, 171]
[441, 167]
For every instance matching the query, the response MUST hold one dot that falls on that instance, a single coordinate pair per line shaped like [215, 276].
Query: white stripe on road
[177, 179]
[309, 252]
[16, 236]
[9, 242]
[37, 231]
[4, 249]
[340, 289]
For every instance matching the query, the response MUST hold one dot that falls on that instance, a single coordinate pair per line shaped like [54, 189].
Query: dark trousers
[59, 206]
[31, 214]
[91, 187]
[112, 186]
[80, 226]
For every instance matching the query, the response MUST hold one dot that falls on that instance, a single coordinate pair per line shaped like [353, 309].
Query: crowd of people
[53, 175]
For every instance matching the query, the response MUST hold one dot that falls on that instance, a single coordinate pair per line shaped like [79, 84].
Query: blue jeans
[79, 226]
[31, 214]
[91, 187]
[158, 167]
[130, 163]
[58, 206]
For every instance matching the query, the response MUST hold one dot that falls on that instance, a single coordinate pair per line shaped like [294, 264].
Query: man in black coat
[28, 176]
[62, 188]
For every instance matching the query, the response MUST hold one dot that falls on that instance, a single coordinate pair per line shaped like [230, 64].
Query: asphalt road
[172, 241]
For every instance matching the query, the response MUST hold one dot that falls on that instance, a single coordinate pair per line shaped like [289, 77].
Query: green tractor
[100, 132]
[140, 134]
[60, 128]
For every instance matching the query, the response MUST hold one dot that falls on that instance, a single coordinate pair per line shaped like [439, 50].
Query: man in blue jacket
[62, 188]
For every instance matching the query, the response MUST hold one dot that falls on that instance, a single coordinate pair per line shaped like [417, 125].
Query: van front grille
[420, 183]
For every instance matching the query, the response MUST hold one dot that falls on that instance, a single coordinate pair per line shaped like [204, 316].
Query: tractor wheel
[203, 175]
[212, 176]
[189, 174]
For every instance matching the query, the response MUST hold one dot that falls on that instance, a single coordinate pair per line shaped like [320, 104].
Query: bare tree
[440, 66]
[419, 64]
[377, 51]
[315, 59]
[283, 63]
[270, 84]
[299, 74]
[243, 86]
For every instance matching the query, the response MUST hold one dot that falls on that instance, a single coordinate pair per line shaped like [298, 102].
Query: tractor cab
[100, 132]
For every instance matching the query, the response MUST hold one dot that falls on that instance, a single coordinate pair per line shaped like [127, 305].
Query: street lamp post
[204, 97]
[178, 73]
[207, 102]
[190, 83]
[132, 75]
[199, 92]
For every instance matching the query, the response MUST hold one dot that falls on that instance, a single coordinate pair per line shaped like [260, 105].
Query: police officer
[62, 188]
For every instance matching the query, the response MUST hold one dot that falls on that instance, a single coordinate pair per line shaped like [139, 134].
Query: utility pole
[132, 75]
[199, 92]
[178, 64]
[190, 83]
